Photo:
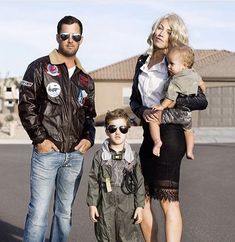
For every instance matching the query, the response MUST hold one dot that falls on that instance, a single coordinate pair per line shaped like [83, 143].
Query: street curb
[205, 135]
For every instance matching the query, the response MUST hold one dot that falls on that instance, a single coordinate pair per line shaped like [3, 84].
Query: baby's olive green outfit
[116, 208]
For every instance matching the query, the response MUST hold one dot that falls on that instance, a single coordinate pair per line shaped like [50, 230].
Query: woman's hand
[150, 115]
[157, 107]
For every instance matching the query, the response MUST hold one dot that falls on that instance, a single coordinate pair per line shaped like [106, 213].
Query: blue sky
[113, 29]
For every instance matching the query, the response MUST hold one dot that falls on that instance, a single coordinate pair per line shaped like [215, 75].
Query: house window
[9, 103]
[8, 89]
[126, 93]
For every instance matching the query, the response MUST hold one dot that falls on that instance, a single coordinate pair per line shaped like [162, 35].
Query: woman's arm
[136, 105]
[192, 102]
[135, 99]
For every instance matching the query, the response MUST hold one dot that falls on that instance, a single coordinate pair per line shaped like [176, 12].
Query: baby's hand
[93, 213]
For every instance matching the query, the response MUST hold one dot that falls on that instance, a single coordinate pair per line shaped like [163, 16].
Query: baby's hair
[186, 54]
[116, 114]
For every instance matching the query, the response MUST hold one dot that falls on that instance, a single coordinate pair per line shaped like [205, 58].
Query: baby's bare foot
[190, 156]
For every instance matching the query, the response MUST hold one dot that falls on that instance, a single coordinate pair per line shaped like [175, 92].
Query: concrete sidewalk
[204, 135]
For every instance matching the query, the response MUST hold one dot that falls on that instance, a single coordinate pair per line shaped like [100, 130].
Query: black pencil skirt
[162, 174]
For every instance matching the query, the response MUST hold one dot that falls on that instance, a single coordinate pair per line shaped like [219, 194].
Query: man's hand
[46, 146]
[83, 146]
[93, 213]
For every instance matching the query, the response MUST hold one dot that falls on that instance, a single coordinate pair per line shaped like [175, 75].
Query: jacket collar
[56, 59]
[106, 154]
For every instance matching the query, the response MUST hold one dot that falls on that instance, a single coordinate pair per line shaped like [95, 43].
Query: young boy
[116, 186]
[184, 80]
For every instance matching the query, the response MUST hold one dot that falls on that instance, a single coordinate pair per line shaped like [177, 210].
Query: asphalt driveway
[207, 195]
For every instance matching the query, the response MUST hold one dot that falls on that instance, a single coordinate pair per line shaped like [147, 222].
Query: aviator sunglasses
[75, 36]
[113, 128]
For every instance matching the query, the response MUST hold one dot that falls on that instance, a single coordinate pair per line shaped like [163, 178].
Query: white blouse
[152, 81]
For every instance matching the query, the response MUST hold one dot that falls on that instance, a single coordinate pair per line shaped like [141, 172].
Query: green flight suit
[116, 208]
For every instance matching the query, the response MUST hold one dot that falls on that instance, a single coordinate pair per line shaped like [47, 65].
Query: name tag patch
[26, 83]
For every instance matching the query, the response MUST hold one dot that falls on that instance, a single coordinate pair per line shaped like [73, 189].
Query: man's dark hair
[69, 20]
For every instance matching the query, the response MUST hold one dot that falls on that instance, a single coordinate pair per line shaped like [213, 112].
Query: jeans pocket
[43, 153]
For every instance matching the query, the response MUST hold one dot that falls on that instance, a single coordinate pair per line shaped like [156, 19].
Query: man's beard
[68, 53]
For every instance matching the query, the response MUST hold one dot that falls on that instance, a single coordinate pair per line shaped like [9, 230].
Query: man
[56, 108]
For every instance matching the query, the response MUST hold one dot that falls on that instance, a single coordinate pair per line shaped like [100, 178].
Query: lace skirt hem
[170, 193]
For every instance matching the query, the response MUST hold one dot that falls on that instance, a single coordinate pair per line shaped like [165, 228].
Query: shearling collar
[57, 59]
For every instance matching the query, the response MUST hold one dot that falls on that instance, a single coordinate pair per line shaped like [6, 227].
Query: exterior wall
[221, 108]
[108, 95]
[219, 113]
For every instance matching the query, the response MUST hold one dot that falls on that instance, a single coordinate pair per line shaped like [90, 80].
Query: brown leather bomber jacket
[55, 107]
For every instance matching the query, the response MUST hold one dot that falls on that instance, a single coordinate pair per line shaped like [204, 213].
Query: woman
[161, 173]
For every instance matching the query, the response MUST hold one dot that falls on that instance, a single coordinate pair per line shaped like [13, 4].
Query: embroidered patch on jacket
[53, 70]
[82, 97]
[53, 89]
[83, 80]
[26, 83]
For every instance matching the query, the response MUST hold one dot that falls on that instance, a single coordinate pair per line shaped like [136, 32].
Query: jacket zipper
[67, 140]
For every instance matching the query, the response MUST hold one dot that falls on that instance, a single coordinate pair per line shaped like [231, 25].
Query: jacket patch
[26, 83]
[53, 70]
[83, 80]
[53, 89]
[82, 97]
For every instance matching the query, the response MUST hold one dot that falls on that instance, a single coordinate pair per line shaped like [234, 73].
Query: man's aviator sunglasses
[113, 128]
[75, 36]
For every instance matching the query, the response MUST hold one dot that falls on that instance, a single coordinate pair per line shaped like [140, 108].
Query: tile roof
[222, 68]
[122, 70]
[209, 64]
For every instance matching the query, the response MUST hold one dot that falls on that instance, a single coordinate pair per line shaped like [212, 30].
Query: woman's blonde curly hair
[179, 33]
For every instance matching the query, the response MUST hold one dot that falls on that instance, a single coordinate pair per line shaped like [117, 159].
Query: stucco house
[9, 94]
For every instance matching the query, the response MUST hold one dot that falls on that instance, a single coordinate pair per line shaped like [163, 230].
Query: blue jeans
[63, 172]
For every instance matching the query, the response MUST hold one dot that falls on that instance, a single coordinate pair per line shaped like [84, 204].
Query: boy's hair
[116, 114]
[69, 20]
[186, 54]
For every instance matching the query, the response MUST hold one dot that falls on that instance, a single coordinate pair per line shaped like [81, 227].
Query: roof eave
[218, 78]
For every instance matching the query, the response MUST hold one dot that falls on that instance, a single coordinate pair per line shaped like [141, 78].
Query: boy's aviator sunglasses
[113, 128]
[75, 36]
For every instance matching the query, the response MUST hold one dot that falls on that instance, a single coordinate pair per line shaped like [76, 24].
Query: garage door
[221, 108]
